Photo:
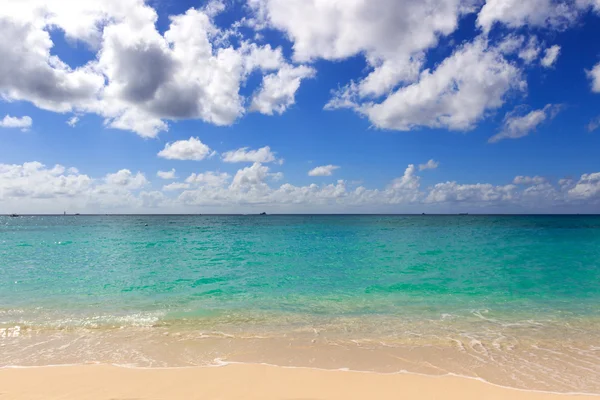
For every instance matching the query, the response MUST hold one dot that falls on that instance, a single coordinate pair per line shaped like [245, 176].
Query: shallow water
[511, 299]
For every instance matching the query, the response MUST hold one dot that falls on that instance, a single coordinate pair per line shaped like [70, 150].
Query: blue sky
[368, 90]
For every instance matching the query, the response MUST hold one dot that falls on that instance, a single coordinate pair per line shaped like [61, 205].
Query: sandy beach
[96, 382]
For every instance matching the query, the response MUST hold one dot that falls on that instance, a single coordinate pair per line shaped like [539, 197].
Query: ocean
[513, 300]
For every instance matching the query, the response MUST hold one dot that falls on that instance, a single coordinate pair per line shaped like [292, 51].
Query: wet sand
[245, 381]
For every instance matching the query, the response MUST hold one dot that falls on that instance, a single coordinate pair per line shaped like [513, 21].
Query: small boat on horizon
[14, 215]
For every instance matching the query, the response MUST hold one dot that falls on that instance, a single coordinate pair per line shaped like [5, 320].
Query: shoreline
[225, 364]
[164, 350]
[248, 381]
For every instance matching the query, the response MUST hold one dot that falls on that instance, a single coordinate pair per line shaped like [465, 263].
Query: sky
[299, 106]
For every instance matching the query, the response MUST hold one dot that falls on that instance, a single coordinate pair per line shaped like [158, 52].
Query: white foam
[13, 332]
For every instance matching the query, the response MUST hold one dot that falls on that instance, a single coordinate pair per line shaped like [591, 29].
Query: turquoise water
[350, 278]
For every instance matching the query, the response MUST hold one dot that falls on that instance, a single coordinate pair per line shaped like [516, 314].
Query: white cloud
[144, 79]
[456, 95]
[278, 90]
[594, 76]
[325, 170]
[140, 78]
[211, 179]
[262, 155]
[408, 181]
[511, 44]
[380, 29]
[33, 180]
[431, 164]
[253, 178]
[166, 174]
[171, 187]
[550, 56]
[531, 51]
[517, 126]
[191, 149]
[529, 180]
[15, 122]
[126, 179]
[393, 37]
[593, 124]
[474, 193]
[33, 187]
[535, 13]
[588, 187]
[72, 122]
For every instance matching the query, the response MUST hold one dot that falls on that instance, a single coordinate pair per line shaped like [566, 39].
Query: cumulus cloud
[210, 178]
[126, 179]
[431, 164]
[262, 155]
[34, 187]
[325, 170]
[594, 76]
[191, 149]
[171, 187]
[254, 178]
[587, 188]
[144, 79]
[16, 122]
[278, 90]
[140, 78]
[531, 51]
[529, 180]
[166, 174]
[550, 56]
[470, 193]
[535, 13]
[517, 126]
[72, 122]
[36, 181]
[335, 31]
[409, 181]
[456, 95]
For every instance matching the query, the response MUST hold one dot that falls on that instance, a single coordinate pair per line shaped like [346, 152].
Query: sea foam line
[219, 363]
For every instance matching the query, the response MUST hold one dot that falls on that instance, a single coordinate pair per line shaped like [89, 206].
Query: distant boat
[77, 214]
[263, 213]
[14, 215]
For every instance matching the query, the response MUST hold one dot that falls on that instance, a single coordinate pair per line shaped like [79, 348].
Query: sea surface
[513, 300]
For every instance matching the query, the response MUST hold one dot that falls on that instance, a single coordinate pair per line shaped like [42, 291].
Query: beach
[260, 382]
[394, 303]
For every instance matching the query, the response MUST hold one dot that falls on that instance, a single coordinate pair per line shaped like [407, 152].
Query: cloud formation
[16, 122]
[144, 79]
[550, 56]
[431, 164]
[140, 78]
[529, 180]
[34, 187]
[325, 170]
[278, 90]
[166, 174]
[262, 155]
[456, 95]
[594, 75]
[191, 149]
[517, 126]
